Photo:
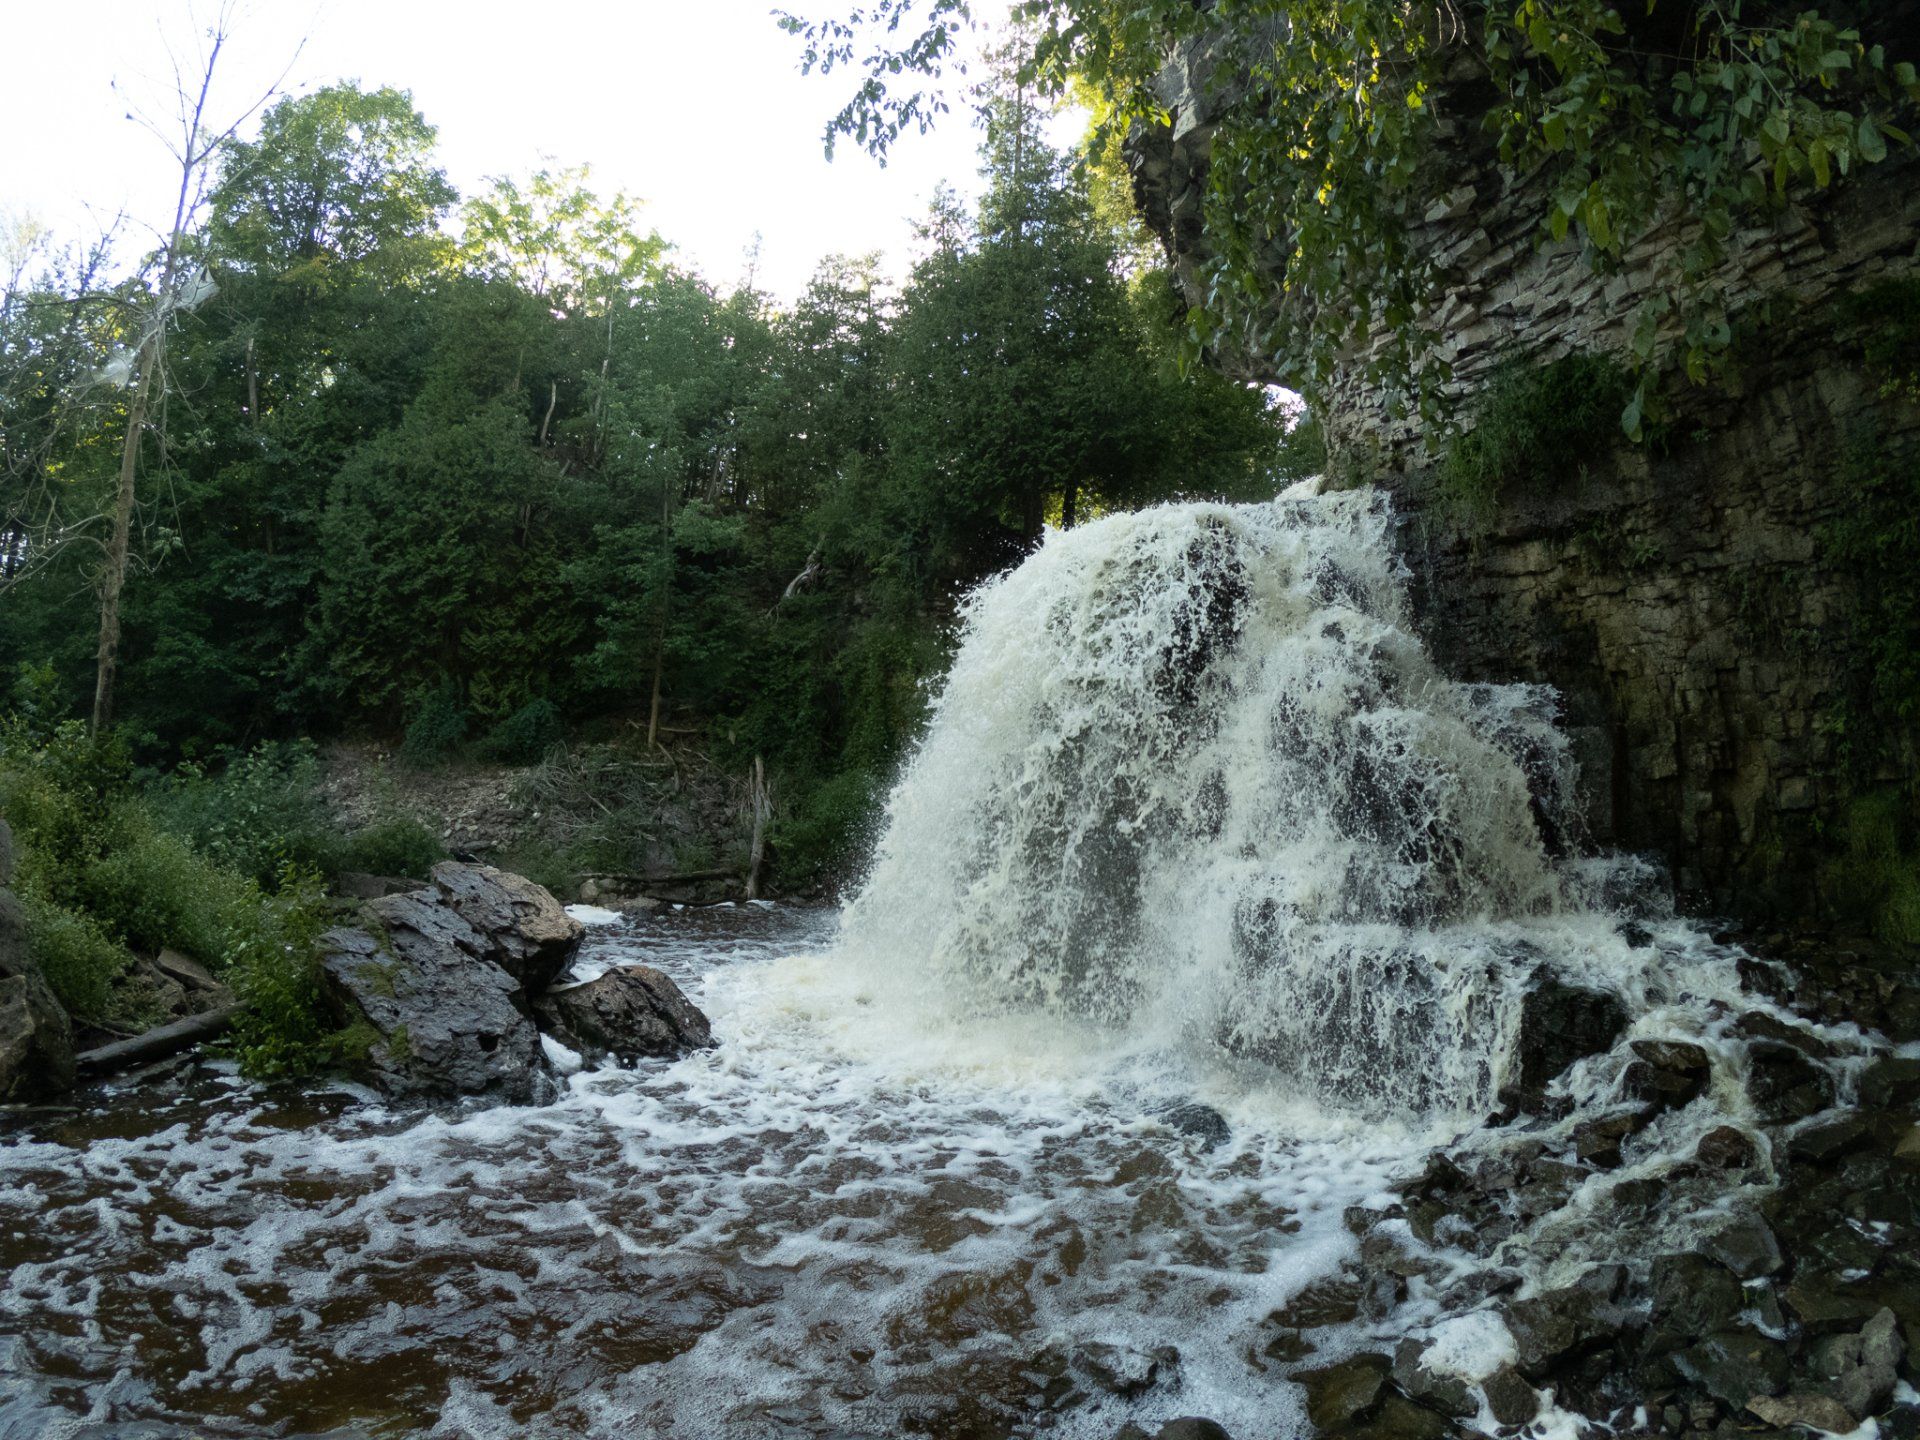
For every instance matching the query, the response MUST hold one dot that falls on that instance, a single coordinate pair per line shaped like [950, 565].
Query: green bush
[154, 892]
[526, 736]
[1533, 425]
[282, 1029]
[78, 959]
[1878, 878]
[259, 813]
[400, 846]
[437, 729]
[822, 835]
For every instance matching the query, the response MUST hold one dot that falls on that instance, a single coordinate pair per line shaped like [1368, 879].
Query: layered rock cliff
[1681, 594]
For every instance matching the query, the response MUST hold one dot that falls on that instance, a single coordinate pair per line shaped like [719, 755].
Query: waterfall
[1193, 776]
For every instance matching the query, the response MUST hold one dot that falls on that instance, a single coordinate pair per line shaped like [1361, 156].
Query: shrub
[822, 835]
[1533, 424]
[437, 728]
[258, 814]
[526, 736]
[78, 959]
[154, 892]
[1879, 875]
[282, 1029]
[400, 846]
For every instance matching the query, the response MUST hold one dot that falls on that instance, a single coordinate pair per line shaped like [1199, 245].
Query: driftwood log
[155, 1044]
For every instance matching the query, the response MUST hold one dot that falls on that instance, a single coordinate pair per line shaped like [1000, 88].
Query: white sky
[696, 107]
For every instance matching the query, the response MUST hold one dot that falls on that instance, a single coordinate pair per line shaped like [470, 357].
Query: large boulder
[528, 933]
[36, 1039]
[1559, 1024]
[630, 1012]
[445, 1017]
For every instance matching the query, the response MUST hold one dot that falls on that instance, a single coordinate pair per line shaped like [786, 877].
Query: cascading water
[1192, 777]
[1195, 824]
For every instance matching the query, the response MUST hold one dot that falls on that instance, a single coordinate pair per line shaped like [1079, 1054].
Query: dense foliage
[478, 483]
[1330, 114]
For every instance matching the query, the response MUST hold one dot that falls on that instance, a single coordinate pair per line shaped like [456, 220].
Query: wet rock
[1891, 1083]
[440, 1018]
[1123, 1370]
[1726, 1147]
[1350, 1390]
[1191, 1427]
[1758, 1025]
[1735, 1366]
[1203, 1122]
[1333, 1301]
[36, 1039]
[1599, 1141]
[1398, 1418]
[1824, 1143]
[1784, 1083]
[1511, 1399]
[631, 1012]
[1560, 1024]
[1692, 1296]
[1747, 1247]
[1861, 1370]
[1825, 1303]
[1816, 1412]
[1666, 1073]
[1446, 1393]
[1546, 1328]
[526, 931]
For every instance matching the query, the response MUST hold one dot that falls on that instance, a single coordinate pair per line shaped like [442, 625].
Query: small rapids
[1195, 824]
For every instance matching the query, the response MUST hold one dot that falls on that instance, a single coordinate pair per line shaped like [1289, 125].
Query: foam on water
[1195, 823]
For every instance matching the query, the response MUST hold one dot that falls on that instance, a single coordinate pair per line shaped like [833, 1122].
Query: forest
[482, 476]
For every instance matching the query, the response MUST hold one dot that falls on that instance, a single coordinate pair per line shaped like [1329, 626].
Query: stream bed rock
[631, 1012]
[439, 982]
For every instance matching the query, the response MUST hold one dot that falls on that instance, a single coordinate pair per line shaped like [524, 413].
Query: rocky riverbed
[807, 1228]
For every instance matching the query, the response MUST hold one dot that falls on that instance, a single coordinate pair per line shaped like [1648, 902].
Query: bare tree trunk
[666, 597]
[1069, 505]
[762, 808]
[113, 576]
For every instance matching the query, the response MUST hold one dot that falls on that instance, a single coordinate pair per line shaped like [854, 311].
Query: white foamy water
[1195, 823]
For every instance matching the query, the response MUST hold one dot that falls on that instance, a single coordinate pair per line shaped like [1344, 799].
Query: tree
[338, 181]
[1328, 116]
[179, 289]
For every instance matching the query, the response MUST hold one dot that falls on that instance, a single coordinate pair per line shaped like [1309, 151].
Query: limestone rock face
[1678, 596]
[630, 1013]
[36, 1039]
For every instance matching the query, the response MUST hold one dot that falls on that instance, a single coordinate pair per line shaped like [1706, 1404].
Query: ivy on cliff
[1329, 116]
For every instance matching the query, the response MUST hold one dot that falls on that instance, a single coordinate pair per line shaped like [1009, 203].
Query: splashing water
[1192, 777]
[1195, 822]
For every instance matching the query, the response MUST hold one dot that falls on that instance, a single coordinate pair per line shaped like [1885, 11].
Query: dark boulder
[1511, 1399]
[36, 1039]
[1203, 1122]
[1735, 1366]
[1666, 1074]
[1815, 1412]
[1785, 1084]
[441, 1020]
[1747, 1247]
[1436, 1389]
[1692, 1296]
[1891, 1083]
[1727, 1147]
[630, 1012]
[1349, 1390]
[1861, 1370]
[527, 932]
[1559, 1024]
[1124, 1370]
[1549, 1327]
